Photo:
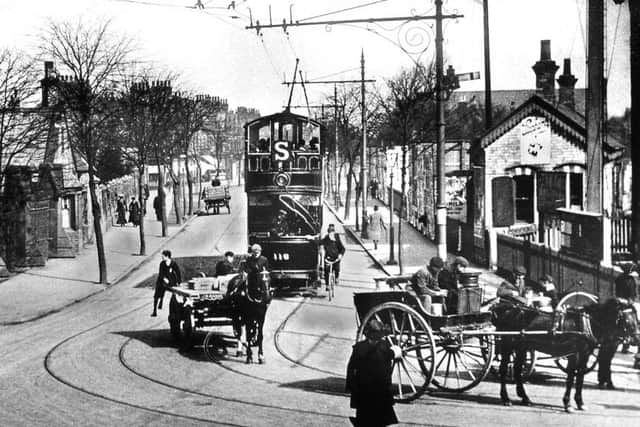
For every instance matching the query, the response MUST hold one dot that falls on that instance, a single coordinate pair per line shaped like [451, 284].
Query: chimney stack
[545, 70]
[567, 84]
[45, 83]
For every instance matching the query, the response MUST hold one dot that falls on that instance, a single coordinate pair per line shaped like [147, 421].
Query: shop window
[524, 198]
[576, 189]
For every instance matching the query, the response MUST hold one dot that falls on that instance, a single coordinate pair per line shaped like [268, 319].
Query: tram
[283, 182]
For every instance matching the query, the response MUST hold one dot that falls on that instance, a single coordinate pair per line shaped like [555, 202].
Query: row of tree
[113, 111]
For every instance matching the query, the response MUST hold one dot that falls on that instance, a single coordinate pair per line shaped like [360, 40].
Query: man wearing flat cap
[369, 378]
[449, 279]
[515, 288]
[424, 282]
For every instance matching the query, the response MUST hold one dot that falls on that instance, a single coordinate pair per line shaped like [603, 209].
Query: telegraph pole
[441, 208]
[488, 113]
[336, 172]
[363, 155]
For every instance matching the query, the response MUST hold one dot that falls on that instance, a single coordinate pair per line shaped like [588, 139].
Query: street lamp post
[392, 260]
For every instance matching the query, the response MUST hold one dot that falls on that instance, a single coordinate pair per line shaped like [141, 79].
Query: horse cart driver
[543, 298]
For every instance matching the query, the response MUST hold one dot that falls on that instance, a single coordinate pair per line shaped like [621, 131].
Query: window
[302, 163]
[524, 198]
[576, 190]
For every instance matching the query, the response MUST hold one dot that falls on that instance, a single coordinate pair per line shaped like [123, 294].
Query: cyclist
[333, 252]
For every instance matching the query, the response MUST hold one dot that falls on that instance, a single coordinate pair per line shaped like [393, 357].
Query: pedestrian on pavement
[375, 227]
[626, 287]
[134, 212]
[333, 252]
[168, 276]
[225, 266]
[374, 188]
[369, 379]
[514, 288]
[157, 206]
[449, 279]
[424, 282]
[121, 208]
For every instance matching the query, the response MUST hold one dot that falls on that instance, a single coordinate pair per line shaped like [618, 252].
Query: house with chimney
[44, 195]
[527, 201]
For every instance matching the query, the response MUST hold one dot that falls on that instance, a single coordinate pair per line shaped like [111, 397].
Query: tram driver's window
[253, 164]
[302, 163]
[265, 164]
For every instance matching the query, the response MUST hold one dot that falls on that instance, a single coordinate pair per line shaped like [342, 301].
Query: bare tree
[144, 116]
[405, 112]
[21, 129]
[93, 57]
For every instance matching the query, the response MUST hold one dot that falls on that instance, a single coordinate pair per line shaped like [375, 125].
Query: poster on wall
[535, 141]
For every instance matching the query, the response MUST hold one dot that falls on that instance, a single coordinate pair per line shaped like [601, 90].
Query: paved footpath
[40, 291]
[417, 249]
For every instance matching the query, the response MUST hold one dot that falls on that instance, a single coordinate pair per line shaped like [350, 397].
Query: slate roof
[565, 121]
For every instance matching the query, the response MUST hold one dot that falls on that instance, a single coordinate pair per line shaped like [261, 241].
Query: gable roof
[563, 120]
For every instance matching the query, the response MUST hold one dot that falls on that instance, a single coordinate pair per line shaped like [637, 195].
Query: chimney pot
[567, 83]
[545, 50]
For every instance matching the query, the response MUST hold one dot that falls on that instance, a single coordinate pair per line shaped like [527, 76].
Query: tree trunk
[347, 202]
[176, 201]
[357, 204]
[97, 229]
[199, 183]
[161, 195]
[143, 245]
[402, 203]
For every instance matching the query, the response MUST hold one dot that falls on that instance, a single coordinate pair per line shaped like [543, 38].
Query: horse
[568, 334]
[611, 322]
[251, 301]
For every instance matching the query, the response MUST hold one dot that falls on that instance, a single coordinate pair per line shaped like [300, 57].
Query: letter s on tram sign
[281, 151]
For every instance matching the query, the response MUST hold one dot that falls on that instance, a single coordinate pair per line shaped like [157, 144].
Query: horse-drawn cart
[452, 352]
[216, 197]
[201, 302]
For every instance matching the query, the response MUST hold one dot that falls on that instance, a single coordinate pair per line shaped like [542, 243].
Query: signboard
[535, 141]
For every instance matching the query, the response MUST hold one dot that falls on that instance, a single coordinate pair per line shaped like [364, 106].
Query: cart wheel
[462, 362]
[576, 300]
[411, 337]
[174, 317]
[592, 362]
[187, 329]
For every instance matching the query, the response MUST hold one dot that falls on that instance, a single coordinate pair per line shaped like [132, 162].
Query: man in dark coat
[449, 278]
[424, 282]
[369, 379]
[122, 211]
[157, 206]
[134, 212]
[225, 266]
[168, 276]
[333, 252]
[254, 264]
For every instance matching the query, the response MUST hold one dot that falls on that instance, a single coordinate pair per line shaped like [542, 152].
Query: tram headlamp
[282, 179]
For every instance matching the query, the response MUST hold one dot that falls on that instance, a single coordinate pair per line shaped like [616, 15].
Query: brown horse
[573, 334]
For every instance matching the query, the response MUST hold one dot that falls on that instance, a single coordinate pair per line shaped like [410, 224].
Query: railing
[620, 236]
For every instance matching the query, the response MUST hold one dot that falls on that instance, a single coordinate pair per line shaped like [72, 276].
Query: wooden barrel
[469, 278]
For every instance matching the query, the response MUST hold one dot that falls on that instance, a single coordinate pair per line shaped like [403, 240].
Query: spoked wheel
[174, 317]
[214, 345]
[187, 329]
[592, 362]
[462, 362]
[412, 341]
[578, 299]
[332, 287]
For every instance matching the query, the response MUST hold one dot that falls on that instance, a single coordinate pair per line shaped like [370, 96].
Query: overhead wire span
[342, 10]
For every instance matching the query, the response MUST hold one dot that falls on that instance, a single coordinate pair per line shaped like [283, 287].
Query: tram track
[58, 376]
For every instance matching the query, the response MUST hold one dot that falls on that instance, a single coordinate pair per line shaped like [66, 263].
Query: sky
[214, 54]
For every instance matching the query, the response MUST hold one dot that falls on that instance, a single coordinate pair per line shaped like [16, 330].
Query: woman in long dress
[134, 212]
[122, 211]
[375, 227]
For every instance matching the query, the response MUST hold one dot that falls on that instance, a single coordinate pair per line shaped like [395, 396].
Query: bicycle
[330, 286]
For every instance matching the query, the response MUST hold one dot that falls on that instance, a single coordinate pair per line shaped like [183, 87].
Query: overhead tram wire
[613, 44]
[342, 10]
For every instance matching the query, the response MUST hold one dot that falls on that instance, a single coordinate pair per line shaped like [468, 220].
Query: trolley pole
[488, 113]
[363, 155]
[441, 208]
